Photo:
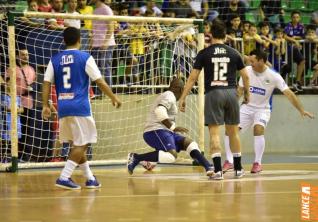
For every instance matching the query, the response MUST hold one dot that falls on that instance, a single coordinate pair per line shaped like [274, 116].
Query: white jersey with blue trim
[71, 71]
[262, 86]
[169, 101]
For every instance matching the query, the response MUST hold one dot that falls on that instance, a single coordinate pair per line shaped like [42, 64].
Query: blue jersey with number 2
[72, 83]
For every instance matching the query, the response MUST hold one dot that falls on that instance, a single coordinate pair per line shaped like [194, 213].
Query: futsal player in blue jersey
[71, 71]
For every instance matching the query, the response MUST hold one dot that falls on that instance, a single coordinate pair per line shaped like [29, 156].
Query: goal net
[144, 57]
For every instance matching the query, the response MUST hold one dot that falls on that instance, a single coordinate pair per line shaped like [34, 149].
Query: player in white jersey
[71, 71]
[162, 134]
[257, 112]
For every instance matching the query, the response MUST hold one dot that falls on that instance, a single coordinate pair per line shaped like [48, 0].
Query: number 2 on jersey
[220, 68]
[66, 77]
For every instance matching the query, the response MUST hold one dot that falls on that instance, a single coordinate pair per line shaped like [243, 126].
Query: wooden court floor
[169, 193]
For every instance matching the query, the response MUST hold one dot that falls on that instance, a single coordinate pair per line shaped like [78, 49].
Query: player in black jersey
[220, 63]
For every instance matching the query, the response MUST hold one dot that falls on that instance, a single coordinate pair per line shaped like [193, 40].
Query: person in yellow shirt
[85, 9]
[250, 39]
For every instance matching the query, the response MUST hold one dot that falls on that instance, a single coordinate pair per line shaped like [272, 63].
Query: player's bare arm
[246, 85]
[297, 104]
[194, 75]
[46, 110]
[107, 90]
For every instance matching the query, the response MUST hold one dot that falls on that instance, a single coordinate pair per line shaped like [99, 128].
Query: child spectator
[264, 33]
[85, 9]
[234, 31]
[71, 9]
[250, 39]
[310, 51]
[246, 26]
[44, 6]
[34, 22]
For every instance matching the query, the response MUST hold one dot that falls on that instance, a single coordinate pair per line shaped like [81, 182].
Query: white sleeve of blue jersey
[49, 73]
[92, 70]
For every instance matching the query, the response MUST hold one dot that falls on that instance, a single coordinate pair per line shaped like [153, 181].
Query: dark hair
[259, 54]
[294, 12]
[310, 27]
[71, 36]
[263, 24]
[278, 29]
[218, 29]
[234, 16]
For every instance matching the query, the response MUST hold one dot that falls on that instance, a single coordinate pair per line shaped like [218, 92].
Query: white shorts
[249, 117]
[77, 129]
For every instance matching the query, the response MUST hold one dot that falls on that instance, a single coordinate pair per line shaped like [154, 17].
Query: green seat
[255, 3]
[250, 16]
[20, 6]
[313, 5]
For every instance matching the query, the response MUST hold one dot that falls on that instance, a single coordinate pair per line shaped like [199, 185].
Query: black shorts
[295, 55]
[221, 106]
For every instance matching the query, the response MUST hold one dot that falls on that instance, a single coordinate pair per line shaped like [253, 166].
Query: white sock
[259, 147]
[68, 170]
[228, 152]
[87, 171]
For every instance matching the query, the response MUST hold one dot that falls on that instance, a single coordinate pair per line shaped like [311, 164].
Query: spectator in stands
[246, 26]
[34, 22]
[314, 20]
[182, 8]
[200, 12]
[71, 9]
[207, 35]
[271, 11]
[25, 80]
[44, 6]
[266, 36]
[295, 31]
[85, 9]
[251, 39]
[228, 8]
[277, 54]
[234, 31]
[57, 7]
[310, 51]
[150, 5]
[5, 133]
[103, 42]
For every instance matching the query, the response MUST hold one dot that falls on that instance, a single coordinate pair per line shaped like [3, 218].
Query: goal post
[136, 78]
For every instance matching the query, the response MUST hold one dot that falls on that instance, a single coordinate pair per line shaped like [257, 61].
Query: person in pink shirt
[103, 41]
[25, 79]
[44, 6]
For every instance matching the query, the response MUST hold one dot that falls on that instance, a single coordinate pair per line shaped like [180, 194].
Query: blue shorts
[164, 140]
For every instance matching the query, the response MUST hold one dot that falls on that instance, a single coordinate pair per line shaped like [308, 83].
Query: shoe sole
[227, 170]
[254, 172]
[217, 178]
[93, 187]
[129, 171]
[67, 188]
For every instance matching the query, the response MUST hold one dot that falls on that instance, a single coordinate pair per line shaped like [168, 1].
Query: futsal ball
[148, 165]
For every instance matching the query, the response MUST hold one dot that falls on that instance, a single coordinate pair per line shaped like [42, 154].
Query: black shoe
[298, 87]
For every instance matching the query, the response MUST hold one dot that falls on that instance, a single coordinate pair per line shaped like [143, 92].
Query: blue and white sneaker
[131, 163]
[92, 184]
[67, 184]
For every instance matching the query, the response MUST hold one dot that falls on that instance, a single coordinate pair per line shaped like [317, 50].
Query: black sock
[196, 155]
[151, 157]
[217, 164]
[237, 163]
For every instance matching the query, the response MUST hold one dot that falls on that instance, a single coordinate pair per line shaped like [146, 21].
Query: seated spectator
[295, 31]
[182, 8]
[271, 11]
[196, 6]
[151, 5]
[34, 22]
[71, 9]
[231, 7]
[44, 6]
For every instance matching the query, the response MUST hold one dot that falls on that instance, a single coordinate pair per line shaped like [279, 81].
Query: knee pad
[193, 146]
[166, 157]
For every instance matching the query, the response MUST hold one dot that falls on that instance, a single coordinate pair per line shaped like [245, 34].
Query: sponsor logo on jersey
[267, 81]
[218, 50]
[67, 59]
[257, 90]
